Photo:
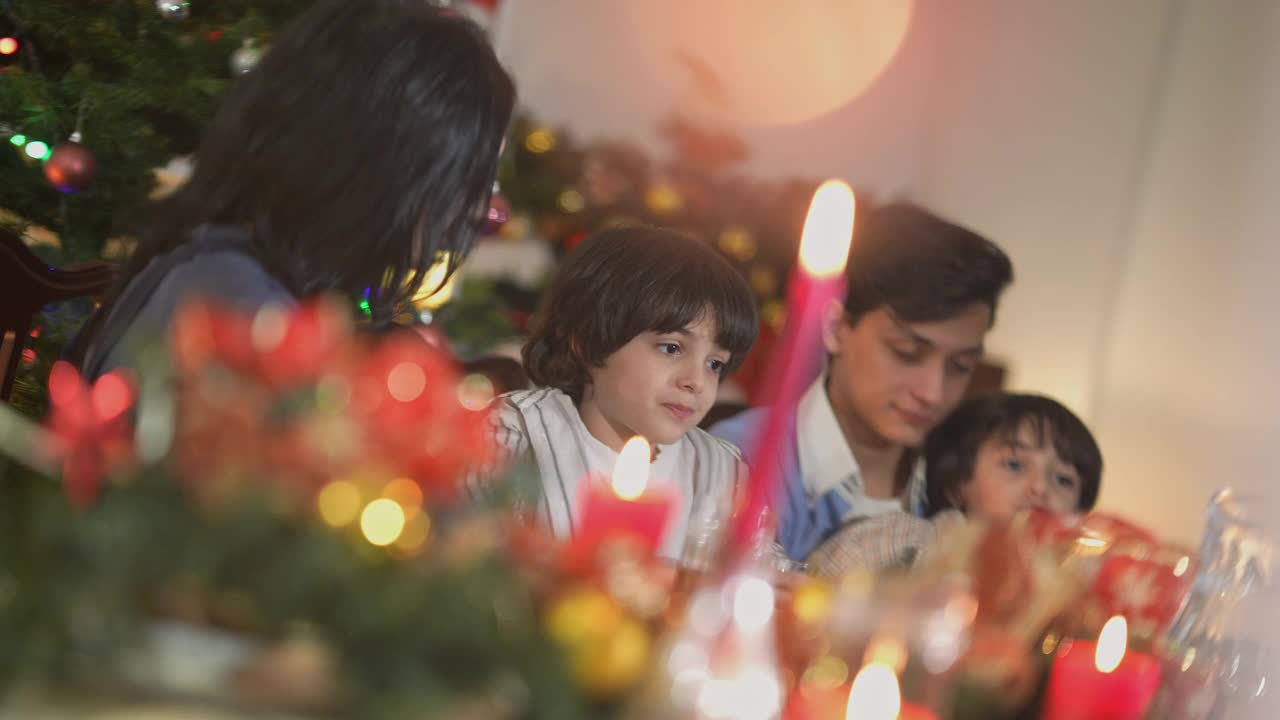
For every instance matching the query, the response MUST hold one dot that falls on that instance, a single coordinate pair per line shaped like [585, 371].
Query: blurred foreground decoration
[285, 528]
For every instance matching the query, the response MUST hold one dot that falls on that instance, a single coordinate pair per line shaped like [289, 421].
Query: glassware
[1218, 663]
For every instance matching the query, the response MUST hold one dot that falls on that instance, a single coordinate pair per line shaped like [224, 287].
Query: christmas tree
[98, 94]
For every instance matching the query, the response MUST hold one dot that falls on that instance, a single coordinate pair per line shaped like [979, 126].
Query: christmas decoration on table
[284, 525]
[1042, 583]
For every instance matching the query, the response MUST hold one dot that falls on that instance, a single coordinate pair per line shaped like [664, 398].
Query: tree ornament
[173, 10]
[496, 217]
[246, 57]
[71, 167]
[608, 649]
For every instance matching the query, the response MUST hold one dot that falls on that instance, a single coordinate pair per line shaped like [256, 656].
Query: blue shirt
[216, 263]
[821, 484]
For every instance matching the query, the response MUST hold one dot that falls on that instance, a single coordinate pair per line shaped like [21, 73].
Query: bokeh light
[382, 521]
[339, 503]
[406, 381]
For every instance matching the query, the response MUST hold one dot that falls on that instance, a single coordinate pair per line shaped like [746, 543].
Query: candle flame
[875, 694]
[1112, 643]
[631, 472]
[828, 230]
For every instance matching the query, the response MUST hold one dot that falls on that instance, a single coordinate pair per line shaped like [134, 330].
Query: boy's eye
[960, 368]
[907, 354]
[1065, 481]
[1014, 464]
[715, 365]
[669, 348]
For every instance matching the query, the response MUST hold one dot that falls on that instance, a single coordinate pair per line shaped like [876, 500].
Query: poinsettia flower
[92, 427]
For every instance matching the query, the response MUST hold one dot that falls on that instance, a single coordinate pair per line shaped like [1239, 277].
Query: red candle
[873, 695]
[627, 507]
[1101, 680]
[819, 279]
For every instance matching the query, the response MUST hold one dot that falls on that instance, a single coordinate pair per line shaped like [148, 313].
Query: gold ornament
[613, 665]
[571, 201]
[774, 314]
[541, 140]
[737, 243]
[608, 650]
[764, 281]
[581, 613]
[663, 198]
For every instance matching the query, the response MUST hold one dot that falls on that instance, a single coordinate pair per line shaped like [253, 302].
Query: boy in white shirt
[639, 327]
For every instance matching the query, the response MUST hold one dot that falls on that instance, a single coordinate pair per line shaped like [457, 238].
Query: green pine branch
[147, 86]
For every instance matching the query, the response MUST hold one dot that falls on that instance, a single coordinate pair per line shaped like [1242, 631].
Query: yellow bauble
[609, 666]
[608, 650]
[582, 615]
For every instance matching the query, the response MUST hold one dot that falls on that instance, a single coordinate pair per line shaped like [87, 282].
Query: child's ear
[955, 496]
[832, 316]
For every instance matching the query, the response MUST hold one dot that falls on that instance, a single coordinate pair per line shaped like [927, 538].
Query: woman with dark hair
[356, 154]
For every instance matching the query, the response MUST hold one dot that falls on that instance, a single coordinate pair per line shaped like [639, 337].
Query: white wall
[1188, 398]
[1117, 150]
[1037, 123]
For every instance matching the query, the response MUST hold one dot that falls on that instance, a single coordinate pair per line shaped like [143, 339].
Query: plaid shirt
[874, 544]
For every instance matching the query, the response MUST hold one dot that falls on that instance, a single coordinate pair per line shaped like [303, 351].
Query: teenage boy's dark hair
[624, 281]
[921, 267]
[951, 449]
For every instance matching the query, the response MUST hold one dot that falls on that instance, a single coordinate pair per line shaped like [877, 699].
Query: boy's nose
[927, 385]
[691, 378]
[1038, 488]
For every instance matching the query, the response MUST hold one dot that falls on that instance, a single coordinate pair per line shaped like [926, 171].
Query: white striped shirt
[545, 424]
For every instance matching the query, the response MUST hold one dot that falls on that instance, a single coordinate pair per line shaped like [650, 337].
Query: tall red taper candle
[818, 279]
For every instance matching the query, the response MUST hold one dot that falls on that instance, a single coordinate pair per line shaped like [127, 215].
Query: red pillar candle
[627, 507]
[1101, 680]
[818, 279]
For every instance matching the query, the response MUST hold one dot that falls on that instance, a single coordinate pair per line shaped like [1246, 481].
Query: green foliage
[147, 86]
[53, 328]
[414, 638]
[476, 319]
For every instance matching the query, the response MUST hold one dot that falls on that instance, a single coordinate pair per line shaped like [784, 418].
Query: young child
[1000, 454]
[993, 457]
[639, 327]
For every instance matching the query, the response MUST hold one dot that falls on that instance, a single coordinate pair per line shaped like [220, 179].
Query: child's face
[1018, 473]
[659, 385]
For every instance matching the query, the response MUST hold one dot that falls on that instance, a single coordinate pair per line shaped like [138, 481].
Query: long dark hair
[364, 144]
